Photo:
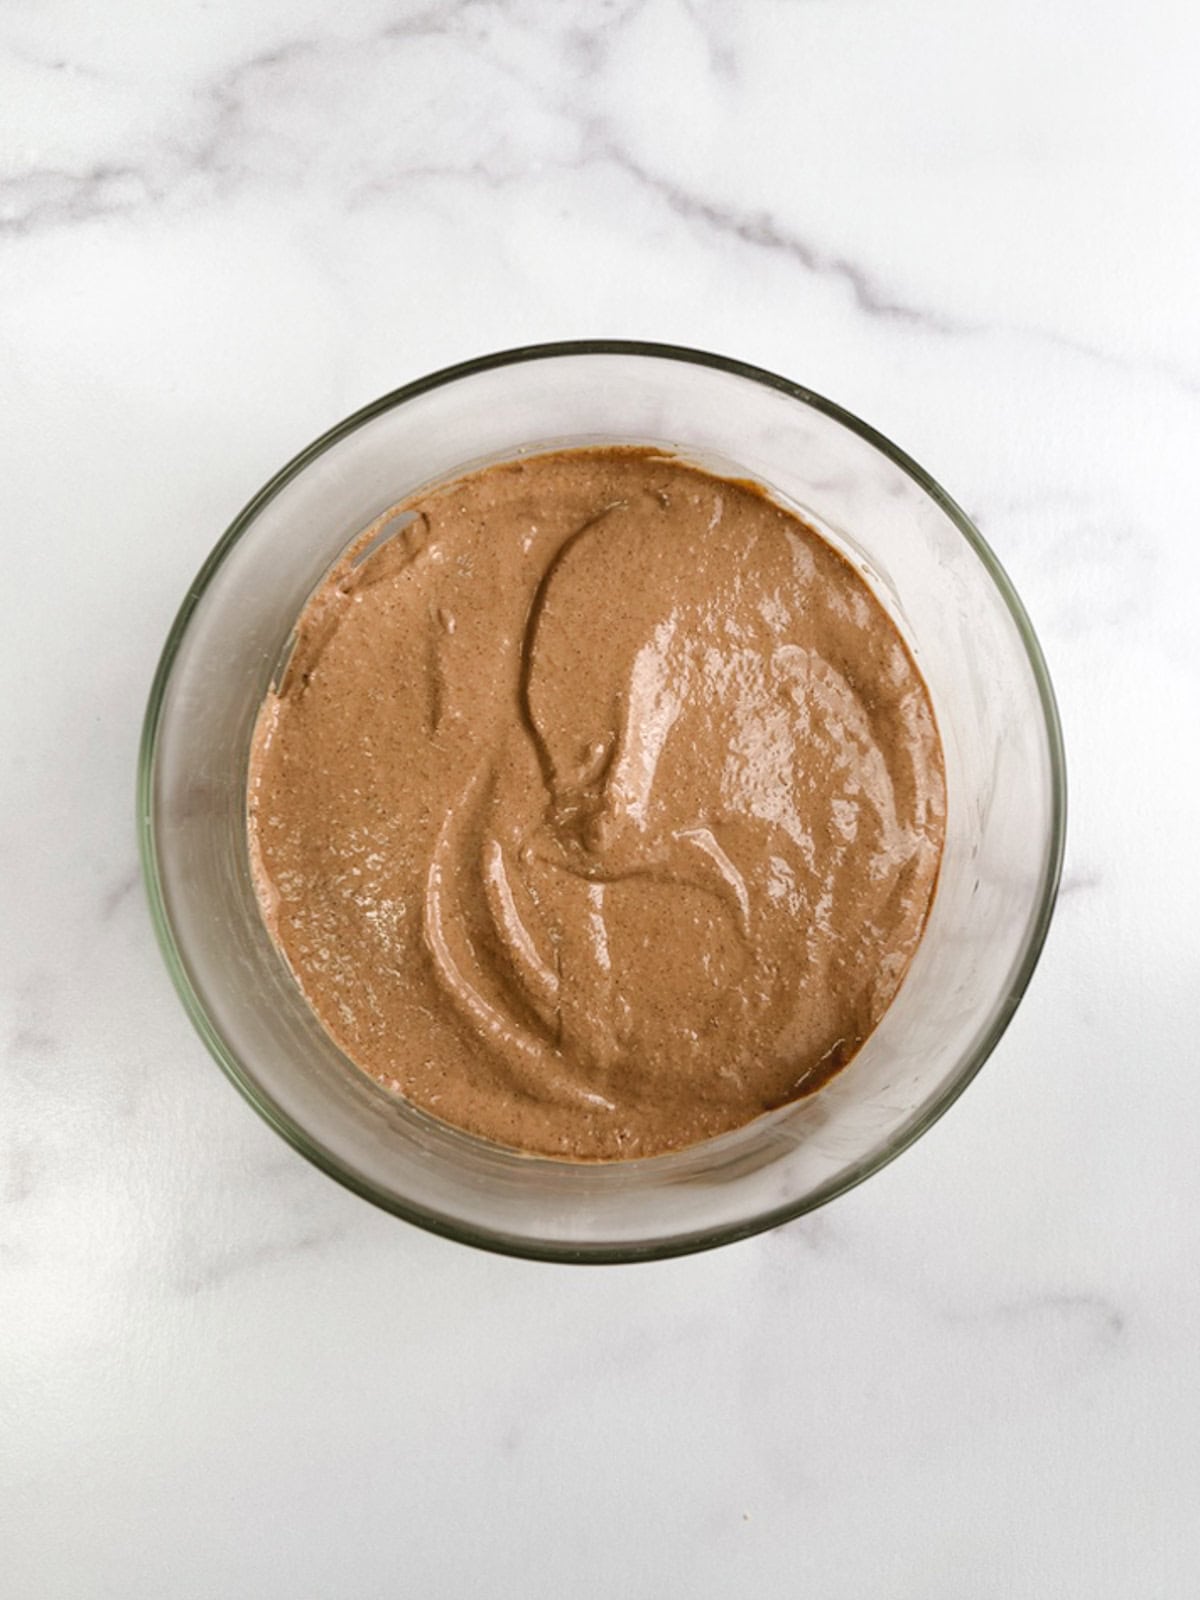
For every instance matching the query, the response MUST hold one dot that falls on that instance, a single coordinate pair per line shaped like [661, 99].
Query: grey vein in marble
[761, 230]
[1077, 881]
[22, 1166]
[118, 893]
[202, 1273]
[54, 197]
[1097, 1314]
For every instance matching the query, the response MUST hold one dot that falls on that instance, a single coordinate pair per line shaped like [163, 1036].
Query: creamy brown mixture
[601, 806]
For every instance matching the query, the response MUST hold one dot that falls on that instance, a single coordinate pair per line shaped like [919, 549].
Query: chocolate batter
[600, 807]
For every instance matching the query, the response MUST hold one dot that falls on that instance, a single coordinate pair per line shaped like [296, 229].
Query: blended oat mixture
[601, 806]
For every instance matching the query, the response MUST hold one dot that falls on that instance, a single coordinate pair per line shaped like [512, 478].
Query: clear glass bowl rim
[310, 1147]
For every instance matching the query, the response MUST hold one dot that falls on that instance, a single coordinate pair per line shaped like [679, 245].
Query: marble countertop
[222, 227]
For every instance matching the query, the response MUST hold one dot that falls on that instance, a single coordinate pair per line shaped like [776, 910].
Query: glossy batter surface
[601, 806]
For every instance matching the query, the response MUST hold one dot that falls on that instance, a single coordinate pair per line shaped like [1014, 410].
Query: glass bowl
[938, 580]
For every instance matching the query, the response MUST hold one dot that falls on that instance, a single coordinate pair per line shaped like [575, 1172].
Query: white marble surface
[224, 225]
